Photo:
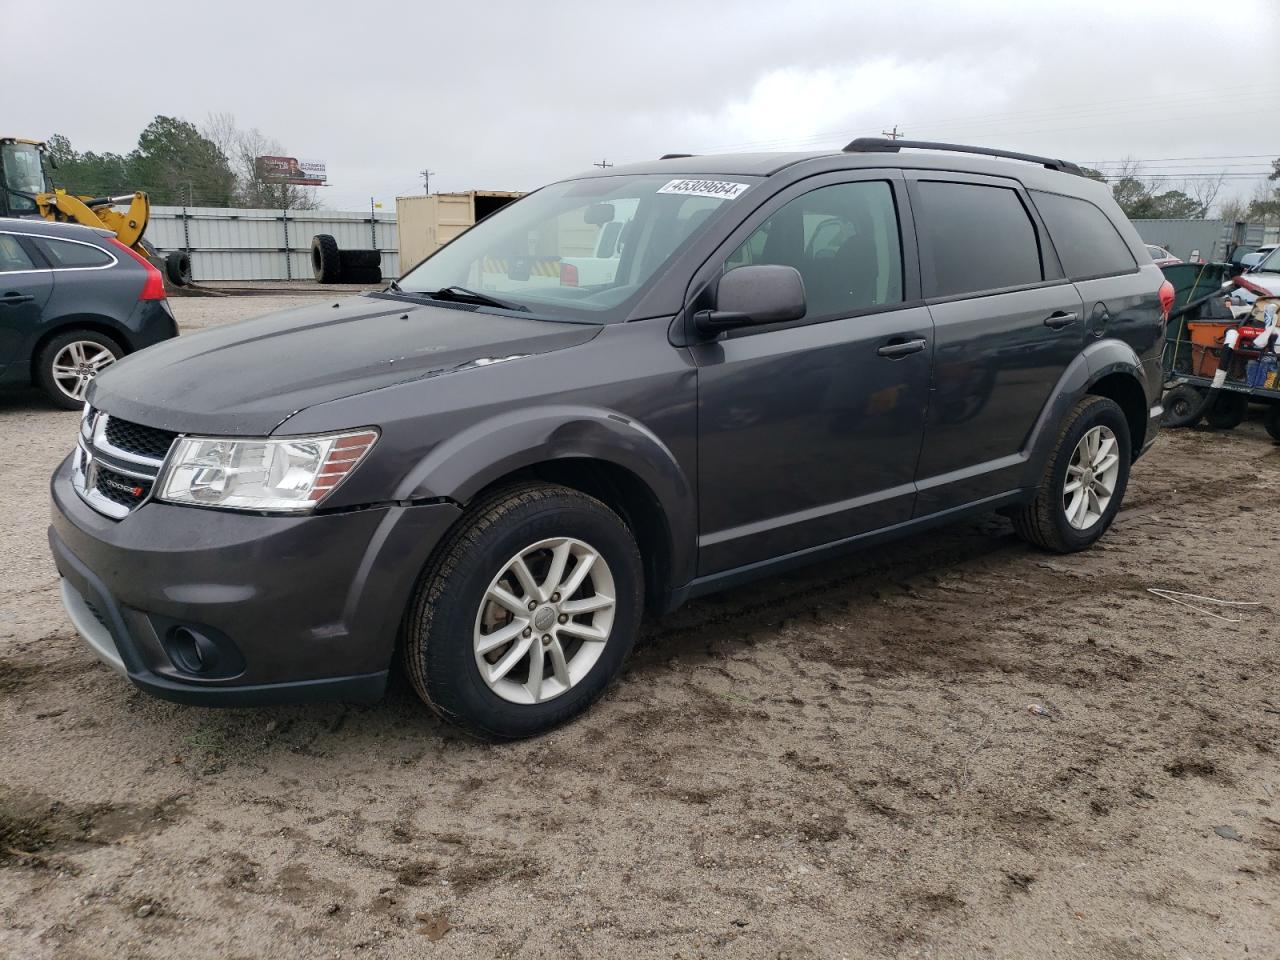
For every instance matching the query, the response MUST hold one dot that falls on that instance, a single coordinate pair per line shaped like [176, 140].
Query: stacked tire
[330, 264]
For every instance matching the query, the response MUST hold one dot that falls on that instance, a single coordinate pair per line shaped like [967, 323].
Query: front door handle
[16, 298]
[1059, 319]
[898, 348]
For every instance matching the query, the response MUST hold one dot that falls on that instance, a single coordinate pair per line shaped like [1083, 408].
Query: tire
[1272, 421]
[1044, 521]
[449, 613]
[354, 259]
[177, 268]
[85, 351]
[1183, 406]
[365, 275]
[1227, 411]
[326, 259]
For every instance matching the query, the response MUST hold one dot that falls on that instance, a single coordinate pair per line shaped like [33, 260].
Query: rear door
[25, 285]
[809, 431]
[1006, 325]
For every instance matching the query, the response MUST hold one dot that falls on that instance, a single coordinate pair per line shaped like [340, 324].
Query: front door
[809, 431]
[25, 286]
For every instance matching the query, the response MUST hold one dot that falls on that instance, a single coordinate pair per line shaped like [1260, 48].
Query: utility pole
[603, 164]
[894, 134]
[426, 180]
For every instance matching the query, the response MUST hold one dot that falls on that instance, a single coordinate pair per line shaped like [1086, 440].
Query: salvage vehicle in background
[491, 475]
[1160, 256]
[73, 300]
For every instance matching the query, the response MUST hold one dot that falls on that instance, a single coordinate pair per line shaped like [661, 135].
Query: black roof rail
[884, 145]
[676, 156]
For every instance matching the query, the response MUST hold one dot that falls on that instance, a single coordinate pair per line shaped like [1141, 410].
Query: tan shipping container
[426, 223]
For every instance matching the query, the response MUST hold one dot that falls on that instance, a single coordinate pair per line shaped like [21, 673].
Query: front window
[1270, 263]
[579, 250]
[23, 175]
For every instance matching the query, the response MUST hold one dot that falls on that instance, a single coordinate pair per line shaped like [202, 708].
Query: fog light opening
[191, 651]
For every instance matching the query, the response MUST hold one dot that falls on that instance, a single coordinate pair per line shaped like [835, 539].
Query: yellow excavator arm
[128, 226]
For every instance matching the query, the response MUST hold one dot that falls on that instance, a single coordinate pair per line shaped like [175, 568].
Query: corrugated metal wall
[237, 244]
[1213, 238]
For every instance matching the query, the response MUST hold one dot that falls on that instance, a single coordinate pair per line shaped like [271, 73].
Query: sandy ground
[838, 764]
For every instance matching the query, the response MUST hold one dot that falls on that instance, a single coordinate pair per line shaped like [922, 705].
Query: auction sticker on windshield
[720, 189]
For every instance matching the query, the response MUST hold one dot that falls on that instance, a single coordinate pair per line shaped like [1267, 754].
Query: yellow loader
[27, 190]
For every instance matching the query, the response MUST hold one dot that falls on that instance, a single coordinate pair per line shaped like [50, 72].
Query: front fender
[460, 467]
[1097, 360]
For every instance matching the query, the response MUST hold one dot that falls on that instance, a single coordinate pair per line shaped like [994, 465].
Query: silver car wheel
[77, 364]
[1091, 478]
[544, 620]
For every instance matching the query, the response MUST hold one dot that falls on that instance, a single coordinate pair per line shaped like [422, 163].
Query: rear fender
[1099, 359]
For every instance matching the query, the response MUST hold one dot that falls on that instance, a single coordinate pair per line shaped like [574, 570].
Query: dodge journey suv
[489, 470]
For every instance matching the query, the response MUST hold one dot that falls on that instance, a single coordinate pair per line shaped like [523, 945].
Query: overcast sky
[499, 95]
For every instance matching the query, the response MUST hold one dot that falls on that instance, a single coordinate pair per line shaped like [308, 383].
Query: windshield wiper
[395, 287]
[455, 292]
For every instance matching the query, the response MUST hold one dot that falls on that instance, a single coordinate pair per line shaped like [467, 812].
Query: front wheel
[1084, 480]
[526, 612]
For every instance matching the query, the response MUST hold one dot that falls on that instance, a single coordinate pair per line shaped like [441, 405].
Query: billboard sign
[304, 173]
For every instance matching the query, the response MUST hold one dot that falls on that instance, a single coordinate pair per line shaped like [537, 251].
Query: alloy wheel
[77, 364]
[544, 620]
[1091, 477]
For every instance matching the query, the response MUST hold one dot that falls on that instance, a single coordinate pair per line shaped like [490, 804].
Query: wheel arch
[70, 325]
[1124, 388]
[601, 453]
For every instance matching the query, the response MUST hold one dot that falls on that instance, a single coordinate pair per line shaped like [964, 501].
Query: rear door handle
[16, 298]
[1059, 319]
[898, 347]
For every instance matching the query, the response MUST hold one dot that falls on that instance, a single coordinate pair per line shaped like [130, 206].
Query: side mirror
[598, 214]
[754, 295]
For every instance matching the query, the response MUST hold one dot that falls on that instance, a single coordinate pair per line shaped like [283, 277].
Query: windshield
[1270, 263]
[581, 249]
[23, 175]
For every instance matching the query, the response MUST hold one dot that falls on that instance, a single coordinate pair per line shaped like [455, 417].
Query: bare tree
[242, 148]
[1204, 192]
[1233, 210]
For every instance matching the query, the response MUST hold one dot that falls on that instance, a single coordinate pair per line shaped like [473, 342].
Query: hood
[245, 378]
[1267, 281]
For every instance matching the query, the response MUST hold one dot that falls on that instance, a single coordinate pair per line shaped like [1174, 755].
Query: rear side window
[64, 254]
[12, 256]
[977, 237]
[1085, 238]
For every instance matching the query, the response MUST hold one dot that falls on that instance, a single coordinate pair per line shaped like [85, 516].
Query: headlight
[288, 475]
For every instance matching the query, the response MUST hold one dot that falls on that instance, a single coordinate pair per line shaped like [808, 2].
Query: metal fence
[228, 243]
[1214, 239]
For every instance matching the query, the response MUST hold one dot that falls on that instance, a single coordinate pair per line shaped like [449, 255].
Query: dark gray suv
[622, 391]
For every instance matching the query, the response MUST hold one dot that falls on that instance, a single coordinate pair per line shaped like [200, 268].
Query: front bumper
[286, 609]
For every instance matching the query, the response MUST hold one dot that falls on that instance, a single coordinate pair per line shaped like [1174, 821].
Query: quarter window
[844, 241]
[979, 238]
[12, 256]
[65, 255]
[1085, 238]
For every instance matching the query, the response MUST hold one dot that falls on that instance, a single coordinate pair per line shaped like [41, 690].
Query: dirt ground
[956, 746]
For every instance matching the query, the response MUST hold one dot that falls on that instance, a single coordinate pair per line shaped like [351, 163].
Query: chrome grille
[116, 462]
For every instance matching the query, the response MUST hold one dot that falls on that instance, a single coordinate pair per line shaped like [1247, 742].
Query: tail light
[1166, 299]
[153, 288]
[568, 275]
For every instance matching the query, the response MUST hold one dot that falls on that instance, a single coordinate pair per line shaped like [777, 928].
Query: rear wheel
[68, 363]
[526, 613]
[1084, 480]
[177, 268]
[1272, 422]
[1227, 411]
